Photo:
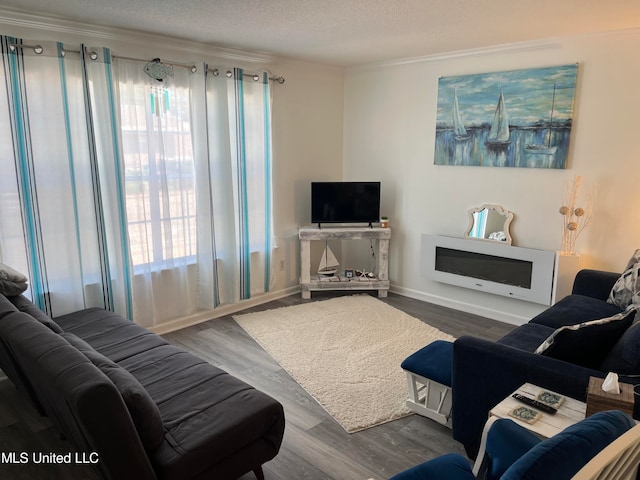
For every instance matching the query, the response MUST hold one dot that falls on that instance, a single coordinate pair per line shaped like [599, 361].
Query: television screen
[345, 202]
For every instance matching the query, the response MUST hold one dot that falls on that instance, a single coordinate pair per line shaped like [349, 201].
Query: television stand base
[309, 234]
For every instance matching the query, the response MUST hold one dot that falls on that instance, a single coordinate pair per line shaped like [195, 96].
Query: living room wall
[389, 135]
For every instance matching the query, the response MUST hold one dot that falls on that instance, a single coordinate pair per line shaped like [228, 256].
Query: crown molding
[20, 19]
[534, 45]
[460, 54]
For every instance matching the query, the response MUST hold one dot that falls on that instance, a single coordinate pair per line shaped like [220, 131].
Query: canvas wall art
[517, 118]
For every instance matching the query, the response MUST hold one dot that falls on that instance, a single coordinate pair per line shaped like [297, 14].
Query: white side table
[570, 412]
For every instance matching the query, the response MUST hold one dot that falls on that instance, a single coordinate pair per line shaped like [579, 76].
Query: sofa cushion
[208, 414]
[626, 290]
[451, 465]
[113, 336]
[575, 309]
[435, 361]
[624, 357]
[143, 410]
[6, 307]
[527, 337]
[588, 343]
[12, 282]
[563, 455]
[25, 305]
[507, 442]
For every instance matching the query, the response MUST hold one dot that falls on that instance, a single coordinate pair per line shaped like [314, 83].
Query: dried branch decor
[576, 213]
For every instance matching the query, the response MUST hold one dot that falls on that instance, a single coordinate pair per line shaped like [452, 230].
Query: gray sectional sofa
[147, 408]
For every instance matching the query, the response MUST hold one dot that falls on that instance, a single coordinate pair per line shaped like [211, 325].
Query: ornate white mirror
[490, 222]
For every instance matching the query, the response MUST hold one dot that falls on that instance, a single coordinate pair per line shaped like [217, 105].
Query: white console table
[309, 283]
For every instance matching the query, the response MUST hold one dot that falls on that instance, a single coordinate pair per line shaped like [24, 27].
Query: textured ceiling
[348, 32]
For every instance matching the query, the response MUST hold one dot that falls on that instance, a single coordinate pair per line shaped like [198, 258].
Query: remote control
[535, 404]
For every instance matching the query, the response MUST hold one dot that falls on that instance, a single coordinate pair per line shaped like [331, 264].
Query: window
[159, 172]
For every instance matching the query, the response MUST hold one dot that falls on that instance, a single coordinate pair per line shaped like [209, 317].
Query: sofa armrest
[104, 425]
[594, 283]
[484, 373]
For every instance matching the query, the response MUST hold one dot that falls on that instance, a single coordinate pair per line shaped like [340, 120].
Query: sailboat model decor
[328, 262]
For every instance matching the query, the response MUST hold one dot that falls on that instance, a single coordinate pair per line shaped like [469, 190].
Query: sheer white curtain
[148, 198]
[160, 186]
[197, 153]
[239, 122]
[54, 223]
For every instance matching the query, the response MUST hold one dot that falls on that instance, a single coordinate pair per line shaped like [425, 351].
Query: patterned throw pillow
[626, 290]
[588, 343]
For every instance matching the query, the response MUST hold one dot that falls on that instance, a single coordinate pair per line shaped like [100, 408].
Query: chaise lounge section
[147, 408]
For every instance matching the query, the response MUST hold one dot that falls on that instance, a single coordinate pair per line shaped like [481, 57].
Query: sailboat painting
[516, 118]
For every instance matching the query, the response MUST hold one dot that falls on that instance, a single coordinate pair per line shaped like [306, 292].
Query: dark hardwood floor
[314, 447]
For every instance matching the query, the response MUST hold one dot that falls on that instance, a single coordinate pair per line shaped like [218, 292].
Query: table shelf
[309, 283]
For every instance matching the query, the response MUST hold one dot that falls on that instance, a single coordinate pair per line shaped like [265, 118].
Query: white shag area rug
[346, 352]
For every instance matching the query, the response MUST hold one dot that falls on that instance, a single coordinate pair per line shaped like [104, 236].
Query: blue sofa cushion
[624, 357]
[575, 309]
[435, 362]
[626, 290]
[450, 466]
[527, 337]
[507, 442]
[586, 344]
[562, 456]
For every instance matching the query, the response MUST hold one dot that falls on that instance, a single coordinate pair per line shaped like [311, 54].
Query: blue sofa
[486, 372]
[515, 453]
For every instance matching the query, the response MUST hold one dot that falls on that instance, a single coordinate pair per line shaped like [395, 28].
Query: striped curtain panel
[238, 123]
[58, 223]
[197, 162]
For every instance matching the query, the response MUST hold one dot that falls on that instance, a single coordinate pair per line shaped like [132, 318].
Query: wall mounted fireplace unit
[522, 273]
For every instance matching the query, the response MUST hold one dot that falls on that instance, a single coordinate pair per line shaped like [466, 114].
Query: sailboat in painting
[328, 262]
[545, 148]
[499, 134]
[458, 125]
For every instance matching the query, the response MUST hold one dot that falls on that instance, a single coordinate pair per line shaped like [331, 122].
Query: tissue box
[598, 400]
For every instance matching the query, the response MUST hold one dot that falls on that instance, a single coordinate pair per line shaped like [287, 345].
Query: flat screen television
[345, 202]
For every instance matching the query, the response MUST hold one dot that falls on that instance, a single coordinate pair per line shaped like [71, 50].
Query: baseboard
[222, 311]
[462, 306]
[270, 296]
